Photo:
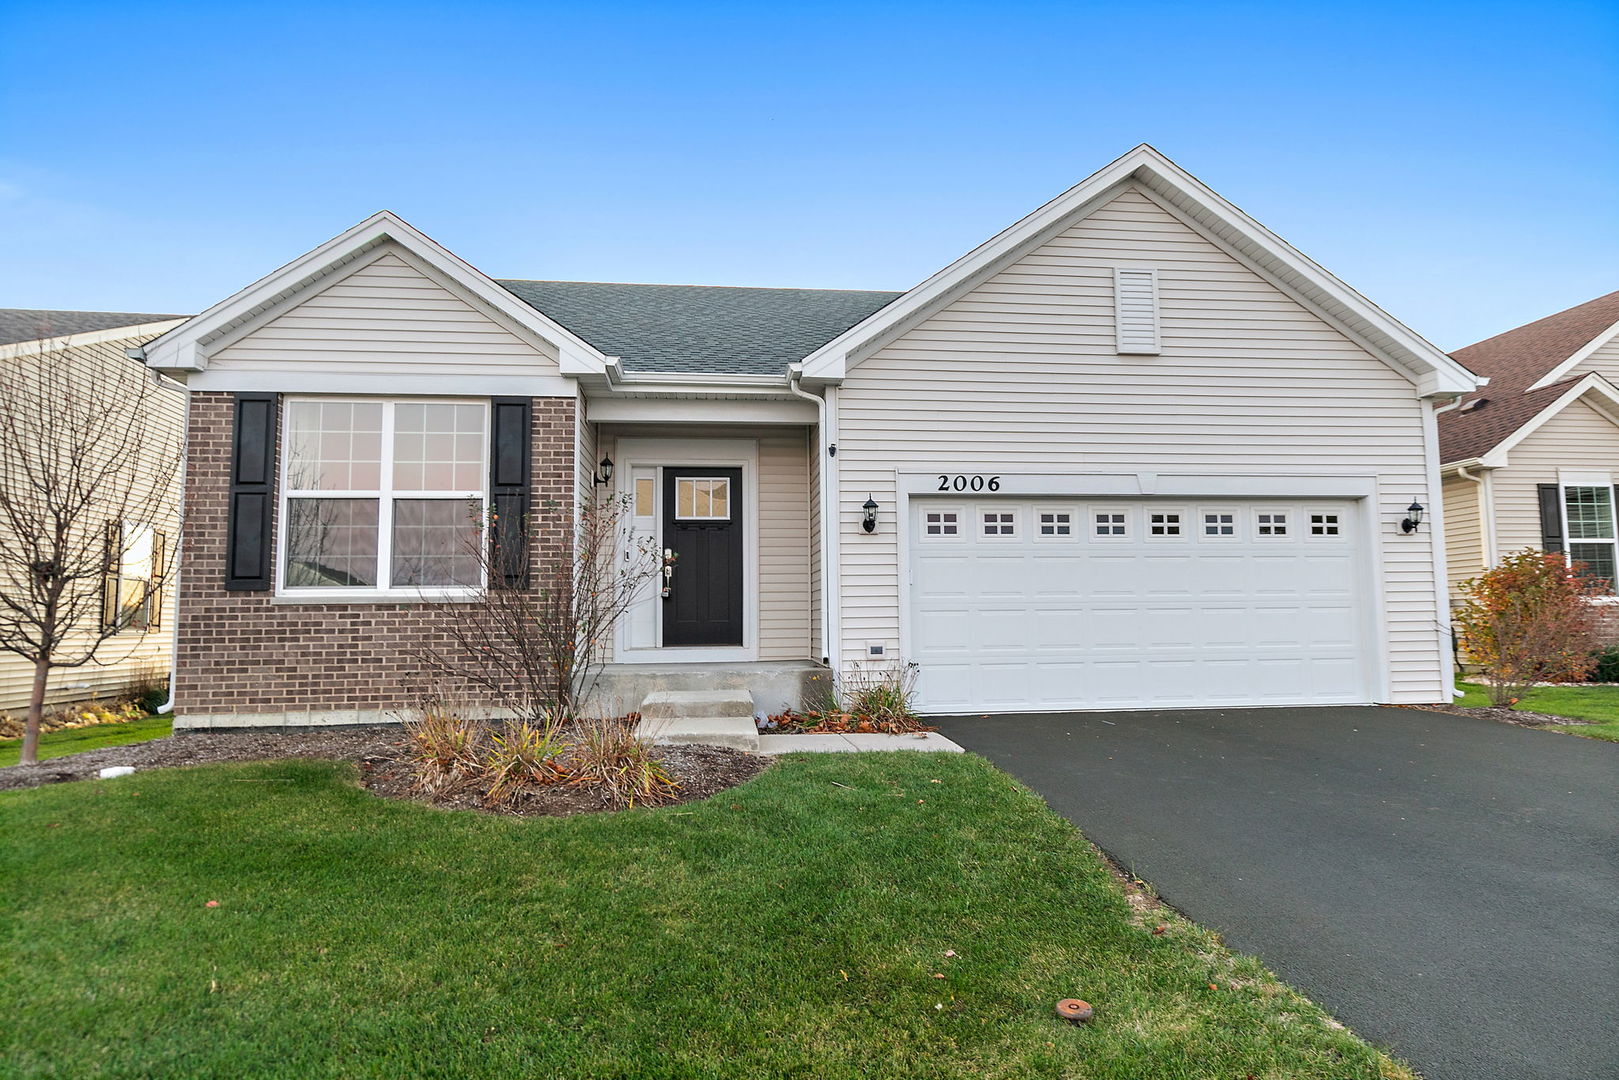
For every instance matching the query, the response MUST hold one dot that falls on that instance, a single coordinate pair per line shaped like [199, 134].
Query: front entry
[702, 528]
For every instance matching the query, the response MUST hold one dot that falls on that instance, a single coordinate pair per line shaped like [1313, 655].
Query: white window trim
[1568, 480]
[385, 496]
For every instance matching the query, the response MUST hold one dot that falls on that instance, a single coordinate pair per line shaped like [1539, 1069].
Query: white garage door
[1037, 604]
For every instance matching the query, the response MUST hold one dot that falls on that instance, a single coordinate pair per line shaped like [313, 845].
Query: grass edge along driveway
[796, 925]
[1599, 704]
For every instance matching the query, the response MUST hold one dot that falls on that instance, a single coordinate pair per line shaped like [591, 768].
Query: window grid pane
[438, 447]
[1597, 560]
[1590, 512]
[331, 543]
[334, 446]
[703, 498]
[435, 542]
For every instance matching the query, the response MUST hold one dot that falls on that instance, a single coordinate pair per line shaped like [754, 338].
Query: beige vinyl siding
[589, 452]
[1579, 437]
[391, 316]
[133, 653]
[783, 542]
[1605, 361]
[1022, 373]
[1464, 534]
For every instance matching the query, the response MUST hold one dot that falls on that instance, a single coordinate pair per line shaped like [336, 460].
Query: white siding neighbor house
[90, 347]
[1135, 451]
[1530, 460]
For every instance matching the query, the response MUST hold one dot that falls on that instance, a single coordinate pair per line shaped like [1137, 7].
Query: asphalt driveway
[1447, 887]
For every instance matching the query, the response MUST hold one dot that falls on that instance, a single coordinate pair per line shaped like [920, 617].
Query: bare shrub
[535, 650]
[607, 751]
[521, 755]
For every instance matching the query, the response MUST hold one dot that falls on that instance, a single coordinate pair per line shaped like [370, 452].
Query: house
[1133, 451]
[1530, 459]
[91, 346]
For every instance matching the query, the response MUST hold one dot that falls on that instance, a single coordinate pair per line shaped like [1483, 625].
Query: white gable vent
[1135, 304]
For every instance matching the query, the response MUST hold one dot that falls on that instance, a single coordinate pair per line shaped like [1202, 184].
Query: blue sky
[1458, 163]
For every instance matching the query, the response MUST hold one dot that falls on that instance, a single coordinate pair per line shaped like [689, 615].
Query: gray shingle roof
[31, 324]
[700, 328]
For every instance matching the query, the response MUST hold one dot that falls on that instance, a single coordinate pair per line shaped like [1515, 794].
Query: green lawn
[1599, 703]
[72, 740]
[790, 927]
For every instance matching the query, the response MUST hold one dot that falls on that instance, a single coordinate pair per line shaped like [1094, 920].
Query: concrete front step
[737, 732]
[682, 704]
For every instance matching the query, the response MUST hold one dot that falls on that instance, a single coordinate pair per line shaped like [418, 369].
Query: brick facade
[244, 658]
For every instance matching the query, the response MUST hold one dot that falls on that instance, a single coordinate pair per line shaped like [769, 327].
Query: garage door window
[1056, 523]
[1111, 523]
[1220, 524]
[999, 523]
[1164, 525]
[1270, 524]
[942, 523]
[1323, 524]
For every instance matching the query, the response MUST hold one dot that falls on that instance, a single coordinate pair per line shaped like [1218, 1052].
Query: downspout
[179, 543]
[794, 375]
[1486, 519]
[1436, 538]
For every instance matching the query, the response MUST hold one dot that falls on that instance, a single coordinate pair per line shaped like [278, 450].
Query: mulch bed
[701, 771]
[819, 723]
[1516, 717]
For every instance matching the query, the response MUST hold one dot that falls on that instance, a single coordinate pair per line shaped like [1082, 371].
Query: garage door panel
[1005, 617]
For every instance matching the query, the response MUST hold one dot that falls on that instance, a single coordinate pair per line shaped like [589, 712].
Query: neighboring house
[94, 343]
[1530, 460]
[1134, 451]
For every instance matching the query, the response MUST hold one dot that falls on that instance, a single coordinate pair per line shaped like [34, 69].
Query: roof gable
[1528, 367]
[1542, 406]
[187, 347]
[1178, 191]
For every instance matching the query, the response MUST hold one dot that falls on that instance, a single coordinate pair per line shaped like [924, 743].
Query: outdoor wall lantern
[869, 522]
[1413, 517]
[605, 476]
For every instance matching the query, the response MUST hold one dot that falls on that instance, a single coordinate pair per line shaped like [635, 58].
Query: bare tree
[536, 651]
[89, 459]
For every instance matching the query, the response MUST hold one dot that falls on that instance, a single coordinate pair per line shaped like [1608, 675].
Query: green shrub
[1607, 665]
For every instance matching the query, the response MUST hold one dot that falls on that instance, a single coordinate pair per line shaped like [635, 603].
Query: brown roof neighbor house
[1530, 459]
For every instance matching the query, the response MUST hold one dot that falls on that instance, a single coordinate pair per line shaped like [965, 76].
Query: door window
[703, 498]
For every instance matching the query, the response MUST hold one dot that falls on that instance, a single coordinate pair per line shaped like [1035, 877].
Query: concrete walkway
[832, 744]
[1446, 886]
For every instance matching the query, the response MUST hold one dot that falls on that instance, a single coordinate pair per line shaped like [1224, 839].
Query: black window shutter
[1551, 517]
[249, 546]
[510, 477]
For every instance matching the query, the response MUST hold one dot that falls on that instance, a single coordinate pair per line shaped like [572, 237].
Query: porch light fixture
[869, 522]
[1413, 517]
[605, 475]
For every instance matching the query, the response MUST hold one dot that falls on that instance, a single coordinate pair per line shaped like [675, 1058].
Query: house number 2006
[961, 482]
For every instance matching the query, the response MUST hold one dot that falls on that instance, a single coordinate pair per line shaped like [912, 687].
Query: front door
[702, 527]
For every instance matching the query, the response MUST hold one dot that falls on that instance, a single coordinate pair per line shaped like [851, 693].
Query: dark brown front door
[702, 525]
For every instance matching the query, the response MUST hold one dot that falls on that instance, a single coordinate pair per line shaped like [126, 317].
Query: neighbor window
[1591, 536]
[132, 577]
[383, 495]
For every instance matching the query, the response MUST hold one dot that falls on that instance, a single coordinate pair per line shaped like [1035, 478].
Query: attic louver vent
[1135, 300]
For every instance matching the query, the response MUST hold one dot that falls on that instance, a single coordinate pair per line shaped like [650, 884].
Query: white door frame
[661, 453]
[1359, 488]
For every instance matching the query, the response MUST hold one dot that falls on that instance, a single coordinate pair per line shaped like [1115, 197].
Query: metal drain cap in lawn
[1074, 1009]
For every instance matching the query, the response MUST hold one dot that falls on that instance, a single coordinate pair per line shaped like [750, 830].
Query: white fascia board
[17, 349]
[1425, 362]
[182, 349]
[644, 410]
[1601, 395]
[1454, 468]
[1558, 373]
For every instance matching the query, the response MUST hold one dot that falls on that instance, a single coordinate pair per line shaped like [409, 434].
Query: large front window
[1589, 514]
[383, 496]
